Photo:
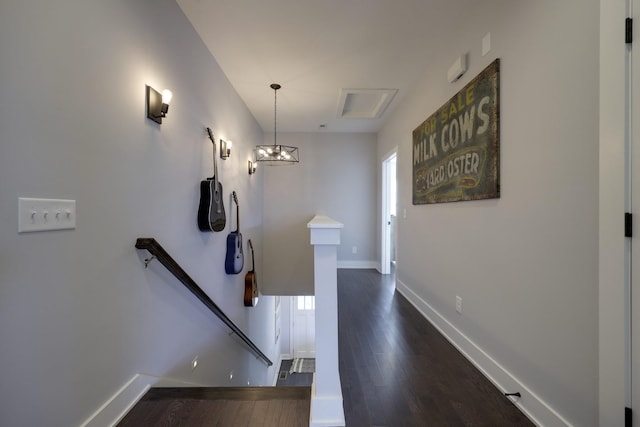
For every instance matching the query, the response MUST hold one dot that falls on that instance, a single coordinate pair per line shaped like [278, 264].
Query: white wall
[336, 176]
[526, 265]
[80, 315]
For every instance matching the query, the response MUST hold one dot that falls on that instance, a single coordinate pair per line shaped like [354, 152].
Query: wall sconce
[252, 168]
[158, 104]
[225, 149]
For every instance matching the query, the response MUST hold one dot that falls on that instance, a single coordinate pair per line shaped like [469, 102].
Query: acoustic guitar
[211, 215]
[251, 283]
[234, 260]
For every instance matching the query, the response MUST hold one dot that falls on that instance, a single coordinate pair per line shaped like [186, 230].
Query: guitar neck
[215, 164]
[235, 199]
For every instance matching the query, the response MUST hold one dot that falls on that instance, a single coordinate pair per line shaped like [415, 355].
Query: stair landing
[225, 406]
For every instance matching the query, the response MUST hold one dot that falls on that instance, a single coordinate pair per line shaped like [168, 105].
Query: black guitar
[211, 216]
[234, 261]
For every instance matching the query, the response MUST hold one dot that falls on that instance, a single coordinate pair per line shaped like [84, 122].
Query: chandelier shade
[276, 154]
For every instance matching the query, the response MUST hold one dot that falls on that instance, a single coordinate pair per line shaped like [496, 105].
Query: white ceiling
[317, 48]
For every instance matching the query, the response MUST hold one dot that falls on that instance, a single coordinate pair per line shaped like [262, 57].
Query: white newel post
[326, 391]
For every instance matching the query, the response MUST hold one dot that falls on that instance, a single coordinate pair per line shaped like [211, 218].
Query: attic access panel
[364, 103]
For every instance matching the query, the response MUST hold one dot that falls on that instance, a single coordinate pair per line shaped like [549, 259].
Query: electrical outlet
[459, 304]
[354, 250]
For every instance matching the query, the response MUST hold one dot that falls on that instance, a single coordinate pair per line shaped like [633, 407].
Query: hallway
[398, 370]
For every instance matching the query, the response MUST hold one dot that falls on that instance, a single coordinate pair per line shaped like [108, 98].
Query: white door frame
[385, 227]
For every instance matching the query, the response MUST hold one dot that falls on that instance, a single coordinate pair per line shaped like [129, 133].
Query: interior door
[387, 237]
[304, 327]
[632, 297]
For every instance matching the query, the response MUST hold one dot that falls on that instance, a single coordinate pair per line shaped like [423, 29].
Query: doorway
[389, 215]
[304, 326]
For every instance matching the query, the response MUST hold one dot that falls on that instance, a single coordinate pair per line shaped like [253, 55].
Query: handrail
[154, 248]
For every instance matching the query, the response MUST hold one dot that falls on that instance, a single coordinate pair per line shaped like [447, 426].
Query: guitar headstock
[210, 132]
[235, 197]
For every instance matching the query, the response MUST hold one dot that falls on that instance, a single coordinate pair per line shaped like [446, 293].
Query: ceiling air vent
[364, 103]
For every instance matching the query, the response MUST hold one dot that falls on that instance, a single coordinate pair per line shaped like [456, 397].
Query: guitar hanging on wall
[234, 260]
[211, 216]
[251, 283]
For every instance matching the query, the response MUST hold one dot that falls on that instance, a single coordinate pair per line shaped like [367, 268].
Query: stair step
[224, 406]
[229, 393]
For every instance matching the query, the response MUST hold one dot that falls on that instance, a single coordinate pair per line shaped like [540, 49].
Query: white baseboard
[121, 402]
[325, 411]
[530, 404]
[358, 264]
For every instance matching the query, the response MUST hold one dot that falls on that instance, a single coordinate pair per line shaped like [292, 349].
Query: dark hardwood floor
[396, 369]
[224, 407]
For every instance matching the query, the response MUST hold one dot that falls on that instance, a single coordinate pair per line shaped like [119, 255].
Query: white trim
[326, 411]
[385, 231]
[530, 404]
[358, 264]
[116, 407]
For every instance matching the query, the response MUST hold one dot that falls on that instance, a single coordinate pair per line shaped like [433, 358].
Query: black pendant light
[276, 154]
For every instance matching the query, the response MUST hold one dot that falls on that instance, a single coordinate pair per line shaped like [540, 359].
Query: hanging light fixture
[276, 154]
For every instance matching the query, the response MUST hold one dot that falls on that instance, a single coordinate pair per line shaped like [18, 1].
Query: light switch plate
[45, 214]
[486, 44]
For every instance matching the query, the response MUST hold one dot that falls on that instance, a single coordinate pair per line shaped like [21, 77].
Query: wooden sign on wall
[456, 150]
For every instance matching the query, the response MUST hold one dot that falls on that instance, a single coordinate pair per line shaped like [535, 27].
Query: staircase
[227, 406]
[257, 406]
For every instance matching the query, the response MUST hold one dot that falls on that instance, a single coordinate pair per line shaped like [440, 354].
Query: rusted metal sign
[456, 151]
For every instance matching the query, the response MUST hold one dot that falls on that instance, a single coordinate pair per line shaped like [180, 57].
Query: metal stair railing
[159, 253]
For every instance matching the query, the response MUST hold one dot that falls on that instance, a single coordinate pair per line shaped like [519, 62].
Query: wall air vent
[364, 103]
